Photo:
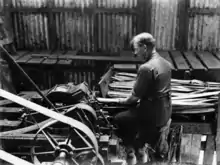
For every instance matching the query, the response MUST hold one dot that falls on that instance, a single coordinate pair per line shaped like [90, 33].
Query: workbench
[64, 66]
[181, 60]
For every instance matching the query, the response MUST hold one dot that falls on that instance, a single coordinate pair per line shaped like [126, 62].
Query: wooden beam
[209, 150]
[53, 44]
[148, 14]
[204, 11]
[144, 19]
[196, 128]
[95, 27]
[182, 27]
[217, 139]
[76, 9]
[8, 123]
[186, 25]
[10, 110]
[101, 58]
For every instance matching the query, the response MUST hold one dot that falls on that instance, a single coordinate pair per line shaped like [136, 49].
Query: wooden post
[95, 27]
[217, 139]
[148, 12]
[6, 40]
[209, 150]
[6, 25]
[183, 25]
[53, 44]
[144, 16]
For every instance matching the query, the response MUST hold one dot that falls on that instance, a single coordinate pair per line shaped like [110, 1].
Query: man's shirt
[152, 86]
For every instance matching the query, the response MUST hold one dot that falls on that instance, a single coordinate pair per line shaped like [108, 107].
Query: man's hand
[122, 100]
[129, 100]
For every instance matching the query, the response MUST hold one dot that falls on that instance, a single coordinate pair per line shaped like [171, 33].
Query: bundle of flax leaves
[192, 95]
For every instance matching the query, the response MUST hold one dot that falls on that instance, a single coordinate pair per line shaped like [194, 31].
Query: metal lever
[9, 59]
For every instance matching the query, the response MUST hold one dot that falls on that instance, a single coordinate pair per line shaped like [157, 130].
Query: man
[150, 119]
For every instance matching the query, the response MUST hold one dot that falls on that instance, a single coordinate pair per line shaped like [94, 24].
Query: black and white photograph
[109, 82]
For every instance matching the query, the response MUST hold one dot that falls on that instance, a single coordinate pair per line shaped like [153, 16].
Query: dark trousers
[127, 126]
[135, 131]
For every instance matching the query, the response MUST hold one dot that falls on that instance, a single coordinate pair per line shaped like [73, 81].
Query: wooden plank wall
[204, 24]
[108, 25]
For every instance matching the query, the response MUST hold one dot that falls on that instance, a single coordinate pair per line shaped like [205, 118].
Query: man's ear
[145, 48]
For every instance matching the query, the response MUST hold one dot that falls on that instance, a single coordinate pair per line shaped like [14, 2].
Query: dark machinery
[79, 129]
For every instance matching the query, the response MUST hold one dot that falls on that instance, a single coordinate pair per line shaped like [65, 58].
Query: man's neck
[147, 58]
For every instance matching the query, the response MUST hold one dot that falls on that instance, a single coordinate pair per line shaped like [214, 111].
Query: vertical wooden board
[148, 13]
[217, 140]
[210, 32]
[181, 27]
[209, 150]
[7, 23]
[195, 148]
[190, 148]
[185, 148]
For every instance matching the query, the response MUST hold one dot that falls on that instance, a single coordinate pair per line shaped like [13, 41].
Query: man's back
[161, 75]
[155, 98]
[154, 78]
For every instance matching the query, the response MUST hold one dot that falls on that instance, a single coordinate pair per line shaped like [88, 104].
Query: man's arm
[140, 88]
[131, 99]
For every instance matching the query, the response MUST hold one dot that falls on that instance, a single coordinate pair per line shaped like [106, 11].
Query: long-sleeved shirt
[152, 86]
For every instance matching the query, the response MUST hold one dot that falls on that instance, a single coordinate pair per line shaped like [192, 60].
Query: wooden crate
[196, 151]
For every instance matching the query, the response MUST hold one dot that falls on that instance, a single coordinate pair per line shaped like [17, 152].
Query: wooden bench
[65, 66]
[181, 60]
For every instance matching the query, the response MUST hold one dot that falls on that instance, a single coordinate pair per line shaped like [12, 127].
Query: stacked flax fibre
[193, 95]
